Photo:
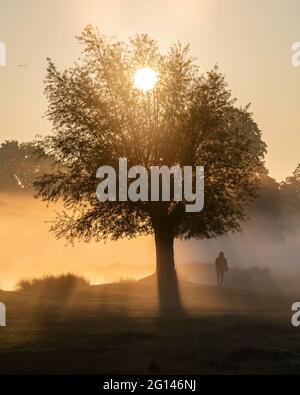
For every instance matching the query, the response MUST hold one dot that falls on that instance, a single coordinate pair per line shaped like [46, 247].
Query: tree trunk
[168, 289]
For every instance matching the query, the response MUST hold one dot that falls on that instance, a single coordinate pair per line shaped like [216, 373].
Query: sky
[250, 40]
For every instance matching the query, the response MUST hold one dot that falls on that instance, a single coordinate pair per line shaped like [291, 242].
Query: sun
[145, 78]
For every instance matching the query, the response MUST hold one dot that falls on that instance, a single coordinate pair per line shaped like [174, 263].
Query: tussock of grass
[62, 284]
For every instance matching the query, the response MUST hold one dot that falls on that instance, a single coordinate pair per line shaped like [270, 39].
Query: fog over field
[28, 250]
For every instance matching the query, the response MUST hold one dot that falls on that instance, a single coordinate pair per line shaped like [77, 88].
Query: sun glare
[145, 78]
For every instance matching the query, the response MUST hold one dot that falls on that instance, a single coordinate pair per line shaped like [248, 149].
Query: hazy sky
[249, 39]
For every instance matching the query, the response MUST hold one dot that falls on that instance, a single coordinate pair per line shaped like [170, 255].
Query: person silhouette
[221, 268]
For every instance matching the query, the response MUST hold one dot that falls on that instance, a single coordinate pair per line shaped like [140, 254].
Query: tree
[20, 164]
[189, 118]
[290, 194]
[266, 212]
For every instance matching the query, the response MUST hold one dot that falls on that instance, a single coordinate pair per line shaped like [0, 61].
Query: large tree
[189, 118]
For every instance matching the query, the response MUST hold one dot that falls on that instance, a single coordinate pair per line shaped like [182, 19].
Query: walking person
[221, 268]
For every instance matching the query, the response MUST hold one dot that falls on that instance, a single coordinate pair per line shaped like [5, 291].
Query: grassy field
[116, 329]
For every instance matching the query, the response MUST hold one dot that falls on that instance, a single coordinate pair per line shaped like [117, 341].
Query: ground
[116, 329]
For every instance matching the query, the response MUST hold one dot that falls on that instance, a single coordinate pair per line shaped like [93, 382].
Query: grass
[116, 329]
[61, 285]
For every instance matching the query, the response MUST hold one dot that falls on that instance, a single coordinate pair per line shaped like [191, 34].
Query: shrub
[62, 284]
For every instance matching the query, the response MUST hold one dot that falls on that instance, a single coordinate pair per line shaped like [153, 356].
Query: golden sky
[249, 39]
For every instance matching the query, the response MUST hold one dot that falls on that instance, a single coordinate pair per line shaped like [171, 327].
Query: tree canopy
[189, 118]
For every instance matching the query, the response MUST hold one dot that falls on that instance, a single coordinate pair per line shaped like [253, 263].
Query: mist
[29, 250]
[261, 257]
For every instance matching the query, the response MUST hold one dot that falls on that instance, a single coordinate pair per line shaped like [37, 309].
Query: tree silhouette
[189, 118]
[20, 164]
[290, 197]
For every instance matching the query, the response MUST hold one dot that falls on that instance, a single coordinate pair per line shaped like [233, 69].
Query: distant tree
[276, 213]
[191, 119]
[290, 193]
[266, 212]
[269, 201]
[20, 164]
